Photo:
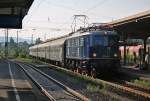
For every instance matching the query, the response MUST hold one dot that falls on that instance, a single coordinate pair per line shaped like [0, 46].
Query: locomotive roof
[61, 40]
[102, 32]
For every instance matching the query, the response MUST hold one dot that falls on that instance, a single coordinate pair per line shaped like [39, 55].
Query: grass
[142, 83]
[29, 60]
[95, 84]
[24, 59]
[94, 88]
[103, 90]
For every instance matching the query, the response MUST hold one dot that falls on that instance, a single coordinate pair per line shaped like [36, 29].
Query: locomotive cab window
[100, 40]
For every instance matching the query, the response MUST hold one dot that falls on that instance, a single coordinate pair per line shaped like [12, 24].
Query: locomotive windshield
[105, 40]
[100, 40]
[104, 45]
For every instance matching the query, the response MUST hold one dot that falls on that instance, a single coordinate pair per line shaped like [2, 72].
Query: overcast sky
[52, 18]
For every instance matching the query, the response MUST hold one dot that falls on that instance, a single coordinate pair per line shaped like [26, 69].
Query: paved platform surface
[15, 85]
[135, 71]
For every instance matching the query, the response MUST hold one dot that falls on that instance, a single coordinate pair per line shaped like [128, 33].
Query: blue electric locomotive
[93, 52]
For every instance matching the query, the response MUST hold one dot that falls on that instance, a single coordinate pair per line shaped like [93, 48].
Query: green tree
[12, 42]
[38, 40]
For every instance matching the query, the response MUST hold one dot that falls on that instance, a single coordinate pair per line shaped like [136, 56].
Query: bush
[22, 55]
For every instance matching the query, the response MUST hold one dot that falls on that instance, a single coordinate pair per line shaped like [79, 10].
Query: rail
[69, 90]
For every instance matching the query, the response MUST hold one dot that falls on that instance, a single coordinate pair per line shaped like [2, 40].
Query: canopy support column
[145, 40]
[125, 52]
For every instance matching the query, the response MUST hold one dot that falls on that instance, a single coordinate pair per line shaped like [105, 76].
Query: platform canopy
[135, 26]
[12, 12]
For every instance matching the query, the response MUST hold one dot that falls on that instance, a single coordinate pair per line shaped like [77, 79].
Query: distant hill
[2, 39]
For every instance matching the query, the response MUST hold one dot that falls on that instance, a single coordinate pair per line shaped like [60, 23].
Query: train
[92, 51]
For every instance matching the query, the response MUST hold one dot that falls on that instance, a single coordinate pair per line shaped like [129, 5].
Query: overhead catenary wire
[79, 11]
[97, 5]
[63, 6]
[34, 11]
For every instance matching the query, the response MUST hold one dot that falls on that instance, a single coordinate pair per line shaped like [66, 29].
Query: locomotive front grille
[106, 52]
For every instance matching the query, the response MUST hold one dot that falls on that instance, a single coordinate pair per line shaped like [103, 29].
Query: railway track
[52, 88]
[131, 89]
[128, 81]
[140, 93]
[136, 91]
[132, 85]
[145, 79]
[138, 87]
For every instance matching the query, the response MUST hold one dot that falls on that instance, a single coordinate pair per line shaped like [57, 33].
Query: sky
[52, 18]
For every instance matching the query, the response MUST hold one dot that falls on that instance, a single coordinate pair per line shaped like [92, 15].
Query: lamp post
[32, 35]
[17, 45]
[6, 43]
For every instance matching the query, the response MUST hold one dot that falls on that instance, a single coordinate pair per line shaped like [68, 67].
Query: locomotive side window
[81, 41]
[77, 47]
[68, 47]
[78, 42]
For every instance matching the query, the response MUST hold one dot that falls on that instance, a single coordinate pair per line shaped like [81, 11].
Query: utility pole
[32, 39]
[17, 44]
[6, 43]
[45, 37]
[32, 34]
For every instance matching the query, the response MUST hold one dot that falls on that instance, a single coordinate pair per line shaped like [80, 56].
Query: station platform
[15, 85]
[135, 71]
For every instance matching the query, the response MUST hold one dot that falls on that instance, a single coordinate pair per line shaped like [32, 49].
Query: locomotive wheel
[77, 70]
[84, 72]
[93, 72]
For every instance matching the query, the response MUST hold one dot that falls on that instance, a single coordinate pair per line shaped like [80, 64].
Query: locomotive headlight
[115, 55]
[94, 54]
[83, 62]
